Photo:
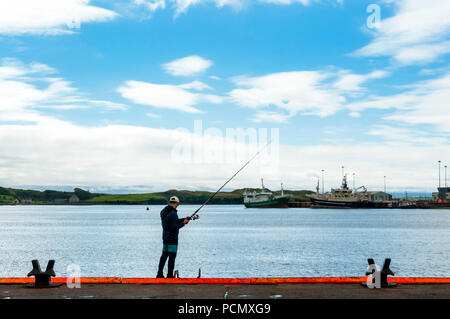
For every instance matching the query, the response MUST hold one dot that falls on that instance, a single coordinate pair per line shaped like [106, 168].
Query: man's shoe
[160, 275]
[170, 276]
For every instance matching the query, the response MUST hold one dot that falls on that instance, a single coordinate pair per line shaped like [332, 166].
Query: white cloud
[425, 102]
[116, 156]
[48, 16]
[299, 91]
[395, 160]
[417, 33]
[152, 5]
[196, 85]
[287, 2]
[153, 115]
[13, 68]
[406, 135]
[49, 151]
[165, 96]
[182, 6]
[270, 117]
[105, 104]
[19, 94]
[188, 66]
[352, 82]
[319, 93]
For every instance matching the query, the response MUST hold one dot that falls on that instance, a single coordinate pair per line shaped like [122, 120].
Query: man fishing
[171, 225]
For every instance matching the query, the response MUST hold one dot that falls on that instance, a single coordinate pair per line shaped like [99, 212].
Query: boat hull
[412, 206]
[275, 203]
[320, 203]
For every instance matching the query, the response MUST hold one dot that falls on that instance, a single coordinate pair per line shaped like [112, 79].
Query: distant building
[380, 197]
[16, 202]
[442, 194]
[74, 199]
[60, 201]
[26, 201]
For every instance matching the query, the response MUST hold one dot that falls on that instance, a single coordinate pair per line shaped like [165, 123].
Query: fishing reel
[195, 217]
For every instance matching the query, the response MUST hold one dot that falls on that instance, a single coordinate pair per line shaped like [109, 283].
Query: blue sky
[98, 104]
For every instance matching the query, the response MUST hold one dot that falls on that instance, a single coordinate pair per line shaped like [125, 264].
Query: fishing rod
[213, 195]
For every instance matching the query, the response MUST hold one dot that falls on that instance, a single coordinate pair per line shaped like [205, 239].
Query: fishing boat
[406, 204]
[342, 197]
[265, 198]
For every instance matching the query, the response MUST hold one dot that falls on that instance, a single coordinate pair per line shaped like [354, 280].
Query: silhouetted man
[171, 225]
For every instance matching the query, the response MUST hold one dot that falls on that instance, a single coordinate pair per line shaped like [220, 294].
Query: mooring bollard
[379, 278]
[42, 279]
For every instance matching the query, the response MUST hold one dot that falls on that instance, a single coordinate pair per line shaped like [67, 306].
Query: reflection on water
[227, 241]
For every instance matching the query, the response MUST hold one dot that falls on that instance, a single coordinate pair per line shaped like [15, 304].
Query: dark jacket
[170, 224]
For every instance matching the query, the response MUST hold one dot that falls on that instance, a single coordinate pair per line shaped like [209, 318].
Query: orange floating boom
[242, 281]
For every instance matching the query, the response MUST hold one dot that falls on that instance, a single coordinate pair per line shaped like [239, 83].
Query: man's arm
[175, 223]
[185, 221]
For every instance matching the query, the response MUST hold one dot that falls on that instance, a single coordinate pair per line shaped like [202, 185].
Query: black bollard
[380, 275]
[42, 279]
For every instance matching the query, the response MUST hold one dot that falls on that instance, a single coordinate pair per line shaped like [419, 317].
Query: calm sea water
[228, 241]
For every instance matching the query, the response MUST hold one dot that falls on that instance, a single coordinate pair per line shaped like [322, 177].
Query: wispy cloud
[351, 82]
[153, 115]
[50, 17]
[320, 93]
[152, 5]
[20, 95]
[407, 135]
[424, 102]
[275, 117]
[196, 85]
[417, 33]
[182, 6]
[166, 96]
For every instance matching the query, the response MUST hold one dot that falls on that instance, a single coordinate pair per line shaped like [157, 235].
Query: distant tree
[51, 195]
[82, 194]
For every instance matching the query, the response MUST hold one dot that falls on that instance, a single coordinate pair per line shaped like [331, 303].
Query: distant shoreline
[110, 204]
[83, 197]
[80, 197]
[420, 205]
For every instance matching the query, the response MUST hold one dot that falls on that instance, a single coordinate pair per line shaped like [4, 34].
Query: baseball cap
[174, 199]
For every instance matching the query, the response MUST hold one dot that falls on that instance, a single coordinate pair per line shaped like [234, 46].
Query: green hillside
[186, 197]
[6, 199]
[8, 195]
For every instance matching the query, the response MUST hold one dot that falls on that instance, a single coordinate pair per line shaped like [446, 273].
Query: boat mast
[344, 181]
[282, 193]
